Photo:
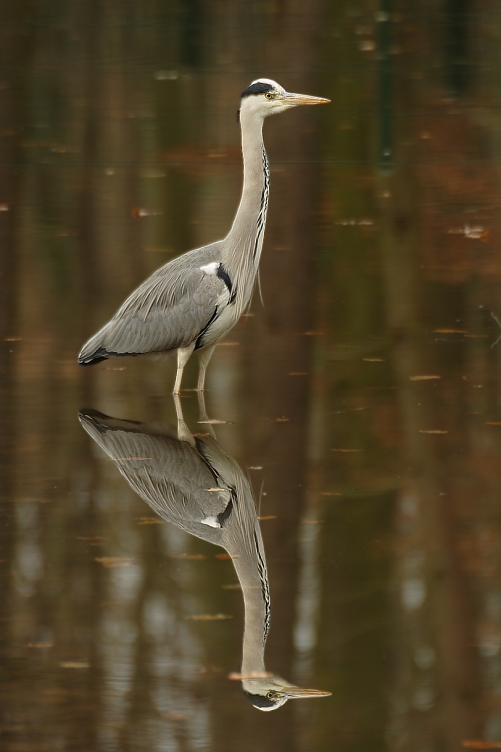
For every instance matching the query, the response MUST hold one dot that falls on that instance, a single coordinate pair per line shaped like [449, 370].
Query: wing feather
[168, 310]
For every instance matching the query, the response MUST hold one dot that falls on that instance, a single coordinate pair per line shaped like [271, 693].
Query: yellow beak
[297, 99]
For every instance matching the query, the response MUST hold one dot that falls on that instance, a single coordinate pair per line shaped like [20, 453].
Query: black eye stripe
[258, 88]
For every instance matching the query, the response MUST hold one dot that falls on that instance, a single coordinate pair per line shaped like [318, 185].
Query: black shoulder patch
[223, 516]
[225, 277]
[258, 88]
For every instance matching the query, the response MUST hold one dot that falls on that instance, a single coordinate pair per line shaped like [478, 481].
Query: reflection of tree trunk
[447, 609]
[10, 51]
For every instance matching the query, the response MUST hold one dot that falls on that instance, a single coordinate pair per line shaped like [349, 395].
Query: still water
[355, 410]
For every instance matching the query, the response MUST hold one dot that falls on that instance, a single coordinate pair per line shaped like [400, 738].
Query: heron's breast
[226, 320]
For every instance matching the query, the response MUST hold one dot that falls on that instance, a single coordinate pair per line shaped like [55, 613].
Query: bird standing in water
[195, 299]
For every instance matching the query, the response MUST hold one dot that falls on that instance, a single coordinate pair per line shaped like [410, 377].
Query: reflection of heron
[191, 481]
[192, 301]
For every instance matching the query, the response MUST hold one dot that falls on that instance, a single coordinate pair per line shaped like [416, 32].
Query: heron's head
[265, 97]
[271, 692]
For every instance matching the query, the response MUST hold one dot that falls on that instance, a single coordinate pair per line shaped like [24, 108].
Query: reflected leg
[183, 432]
[203, 417]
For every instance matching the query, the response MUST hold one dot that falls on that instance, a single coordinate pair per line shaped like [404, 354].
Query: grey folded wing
[169, 310]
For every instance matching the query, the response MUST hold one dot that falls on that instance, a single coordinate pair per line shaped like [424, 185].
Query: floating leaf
[138, 212]
[374, 360]
[209, 617]
[449, 331]
[424, 377]
[115, 561]
[150, 521]
[191, 557]
[481, 744]
[235, 586]
[493, 423]
[223, 557]
[435, 431]
[471, 232]
[268, 517]
[74, 664]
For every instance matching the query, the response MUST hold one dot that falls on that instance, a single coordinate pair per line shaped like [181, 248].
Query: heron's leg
[202, 410]
[183, 355]
[204, 357]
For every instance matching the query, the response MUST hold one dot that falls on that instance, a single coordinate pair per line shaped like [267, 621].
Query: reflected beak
[294, 693]
[296, 99]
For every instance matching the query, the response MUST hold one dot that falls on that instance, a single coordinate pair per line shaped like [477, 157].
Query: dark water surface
[362, 401]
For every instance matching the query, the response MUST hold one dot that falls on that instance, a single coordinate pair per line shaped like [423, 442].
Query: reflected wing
[168, 310]
[170, 475]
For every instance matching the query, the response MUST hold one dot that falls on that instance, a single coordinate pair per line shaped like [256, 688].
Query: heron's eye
[269, 95]
[270, 695]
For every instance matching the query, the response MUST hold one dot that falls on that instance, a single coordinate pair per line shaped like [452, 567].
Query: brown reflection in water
[448, 454]
[440, 636]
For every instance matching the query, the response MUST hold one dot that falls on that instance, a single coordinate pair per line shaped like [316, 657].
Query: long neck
[253, 576]
[242, 247]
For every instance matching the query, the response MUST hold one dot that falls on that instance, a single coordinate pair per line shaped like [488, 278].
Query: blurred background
[362, 398]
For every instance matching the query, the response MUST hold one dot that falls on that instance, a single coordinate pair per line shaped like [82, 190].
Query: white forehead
[270, 82]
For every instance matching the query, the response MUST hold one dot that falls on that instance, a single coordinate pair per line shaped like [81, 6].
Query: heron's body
[195, 299]
[193, 483]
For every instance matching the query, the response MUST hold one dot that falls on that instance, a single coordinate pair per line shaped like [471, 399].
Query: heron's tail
[93, 351]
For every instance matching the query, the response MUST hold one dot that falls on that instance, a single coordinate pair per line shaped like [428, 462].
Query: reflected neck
[253, 577]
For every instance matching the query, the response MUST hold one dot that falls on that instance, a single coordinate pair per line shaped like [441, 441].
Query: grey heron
[193, 483]
[194, 300]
